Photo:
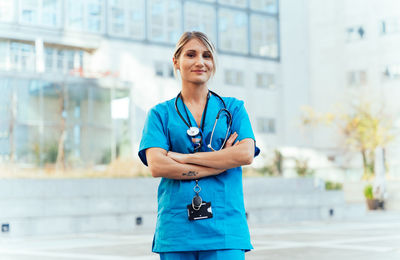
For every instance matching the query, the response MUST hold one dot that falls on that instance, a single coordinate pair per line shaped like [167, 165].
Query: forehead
[195, 44]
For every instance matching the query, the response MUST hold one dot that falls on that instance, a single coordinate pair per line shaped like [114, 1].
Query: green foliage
[363, 129]
[368, 192]
[47, 154]
[106, 157]
[329, 185]
[302, 168]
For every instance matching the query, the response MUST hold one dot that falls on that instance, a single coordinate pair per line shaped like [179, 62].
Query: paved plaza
[374, 237]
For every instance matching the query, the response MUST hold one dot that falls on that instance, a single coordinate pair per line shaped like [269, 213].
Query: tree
[62, 97]
[362, 128]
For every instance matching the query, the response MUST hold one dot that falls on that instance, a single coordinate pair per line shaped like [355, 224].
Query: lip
[199, 71]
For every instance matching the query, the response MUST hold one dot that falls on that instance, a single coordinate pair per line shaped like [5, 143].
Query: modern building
[79, 76]
[338, 52]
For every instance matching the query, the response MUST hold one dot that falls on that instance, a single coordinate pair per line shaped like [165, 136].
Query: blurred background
[320, 81]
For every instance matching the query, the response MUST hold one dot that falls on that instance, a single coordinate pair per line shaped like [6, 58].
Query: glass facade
[87, 16]
[21, 56]
[127, 18]
[237, 27]
[164, 20]
[264, 42]
[233, 30]
[200, 17]
[40, 12]
[35, 112]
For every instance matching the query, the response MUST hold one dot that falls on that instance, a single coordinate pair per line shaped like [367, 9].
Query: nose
[199, 62]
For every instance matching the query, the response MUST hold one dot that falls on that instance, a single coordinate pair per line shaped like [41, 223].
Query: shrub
[329, 185]
[368, 192]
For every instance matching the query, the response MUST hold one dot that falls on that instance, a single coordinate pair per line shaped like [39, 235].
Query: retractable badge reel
[199, 209]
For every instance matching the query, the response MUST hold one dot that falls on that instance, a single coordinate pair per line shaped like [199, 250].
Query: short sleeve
[242, 126]
[154, 134]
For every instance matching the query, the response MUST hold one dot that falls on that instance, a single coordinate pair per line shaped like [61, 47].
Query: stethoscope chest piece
[193, 131]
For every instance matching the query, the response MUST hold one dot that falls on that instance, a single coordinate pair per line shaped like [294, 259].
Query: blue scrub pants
[231, 254]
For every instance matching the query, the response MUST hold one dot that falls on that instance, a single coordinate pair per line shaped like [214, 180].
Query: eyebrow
[207, 51]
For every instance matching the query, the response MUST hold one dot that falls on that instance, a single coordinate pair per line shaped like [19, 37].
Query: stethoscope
[194, 132]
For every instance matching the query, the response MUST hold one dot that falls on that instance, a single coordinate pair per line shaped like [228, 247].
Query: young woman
[197, 142]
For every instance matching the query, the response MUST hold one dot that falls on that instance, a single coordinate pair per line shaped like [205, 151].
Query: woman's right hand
[231, 141]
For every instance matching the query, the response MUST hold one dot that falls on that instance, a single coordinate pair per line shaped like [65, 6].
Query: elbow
[247, 158]
[248, 152]
[154, 170]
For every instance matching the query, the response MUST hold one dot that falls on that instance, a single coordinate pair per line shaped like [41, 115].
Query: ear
[175, 62]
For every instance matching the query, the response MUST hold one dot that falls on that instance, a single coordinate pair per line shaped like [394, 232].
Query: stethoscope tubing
[229, 115]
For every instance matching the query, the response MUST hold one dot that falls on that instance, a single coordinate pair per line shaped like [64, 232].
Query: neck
[194, 93]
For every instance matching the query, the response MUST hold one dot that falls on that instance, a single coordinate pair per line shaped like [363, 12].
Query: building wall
[338, 65]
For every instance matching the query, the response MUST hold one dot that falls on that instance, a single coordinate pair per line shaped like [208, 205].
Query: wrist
[189, 158]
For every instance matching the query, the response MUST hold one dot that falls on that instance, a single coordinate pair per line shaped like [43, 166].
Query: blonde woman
[197, 142]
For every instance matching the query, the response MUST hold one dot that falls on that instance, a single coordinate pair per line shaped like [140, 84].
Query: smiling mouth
[199, 71]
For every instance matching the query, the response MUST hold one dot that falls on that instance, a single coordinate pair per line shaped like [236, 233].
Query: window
[94, 16]
[269, 6]
[233, 31]
[117, 17]
[85, 15]
[164, 69]
[264, 39]
[355, 33]
[234, 77]
[200, 17]
[22, 56]
[137, 25]
[391, 72]
[164, 20]
[237, 3]
[49, 59]
[266, 125]
[4, 55]
[18, 56]
[265, 80]
[6, 11]
[390, 26]
[126, 18]
[357, 78]
[75, 15]
[40, 12]
[50, 12]
[61, 60]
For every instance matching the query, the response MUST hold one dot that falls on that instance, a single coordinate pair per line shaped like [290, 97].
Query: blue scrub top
[227, 229]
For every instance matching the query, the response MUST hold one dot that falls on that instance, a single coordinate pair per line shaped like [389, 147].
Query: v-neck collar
[190, 115]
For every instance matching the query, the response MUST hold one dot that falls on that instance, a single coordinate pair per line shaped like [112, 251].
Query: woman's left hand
[231, 140]
[179, 157]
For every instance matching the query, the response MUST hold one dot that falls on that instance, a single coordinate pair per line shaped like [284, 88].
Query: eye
[191, 55]
[207, 56]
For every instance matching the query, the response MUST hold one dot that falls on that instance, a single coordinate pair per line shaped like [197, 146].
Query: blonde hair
[187, 36]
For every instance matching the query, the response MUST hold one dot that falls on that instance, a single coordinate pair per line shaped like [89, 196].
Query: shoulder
[233, 104]
[163, 107]
[161, 110]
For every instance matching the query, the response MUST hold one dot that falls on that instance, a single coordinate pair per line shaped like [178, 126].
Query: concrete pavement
[373, 237]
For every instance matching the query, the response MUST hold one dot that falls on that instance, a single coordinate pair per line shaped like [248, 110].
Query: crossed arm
[198, 165]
